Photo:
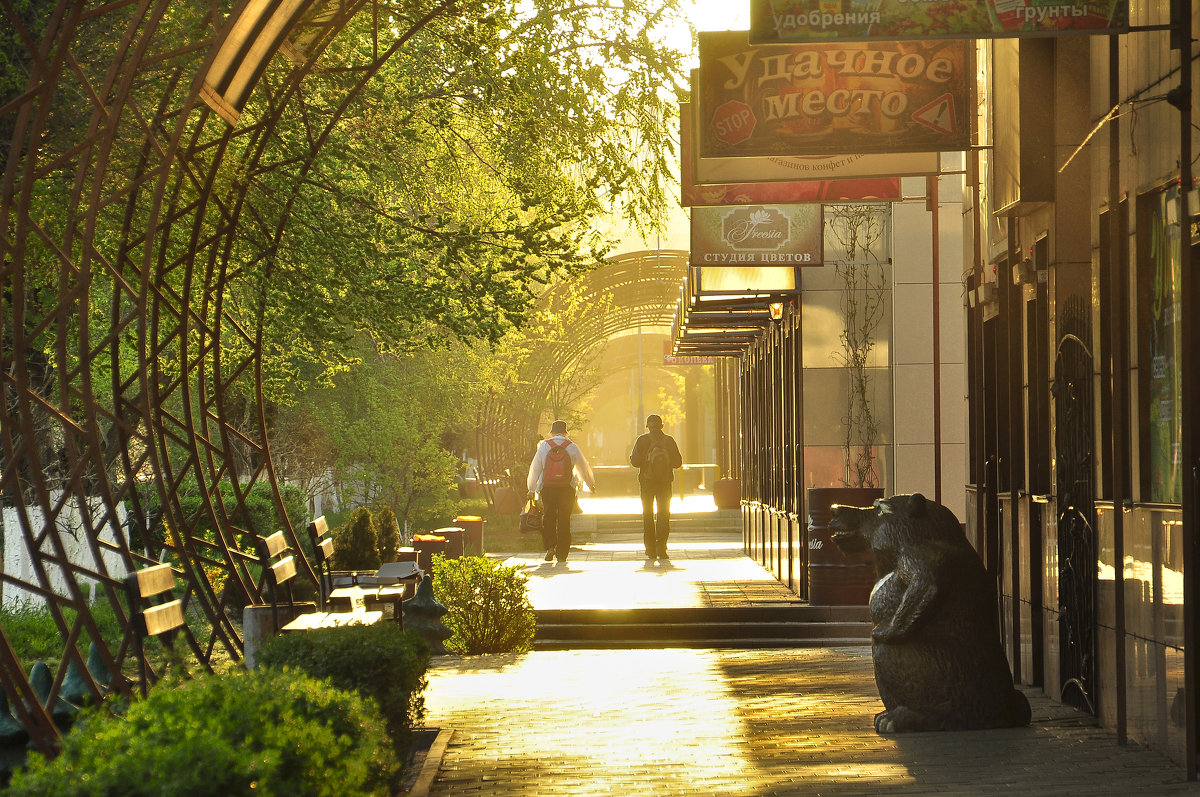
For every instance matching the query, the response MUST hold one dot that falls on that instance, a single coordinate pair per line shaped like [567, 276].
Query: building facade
[1080, 495]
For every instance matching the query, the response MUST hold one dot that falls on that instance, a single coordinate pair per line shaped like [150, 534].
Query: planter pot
[506, 501]
[835, 579]
[727, 493]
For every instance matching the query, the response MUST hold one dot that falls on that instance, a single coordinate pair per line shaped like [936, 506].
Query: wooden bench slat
[164, 617]
[274, 544]
[314, 620]
[284, 570]
[326, 548]
[155, 580]
[319, 527]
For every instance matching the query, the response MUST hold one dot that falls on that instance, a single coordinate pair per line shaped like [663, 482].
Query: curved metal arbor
[127, 221]
[635, 289]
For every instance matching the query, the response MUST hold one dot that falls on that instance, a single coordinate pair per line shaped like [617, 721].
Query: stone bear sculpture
[939, 662]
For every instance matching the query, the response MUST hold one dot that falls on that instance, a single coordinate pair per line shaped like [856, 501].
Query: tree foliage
[466, 176]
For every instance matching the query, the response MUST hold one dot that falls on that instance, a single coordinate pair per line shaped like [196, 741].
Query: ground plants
[380, 662]
[34, 635]
[268, 731]
[488, 603]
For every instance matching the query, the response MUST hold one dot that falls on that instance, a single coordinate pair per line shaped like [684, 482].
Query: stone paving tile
[705, 570]
[745, 723]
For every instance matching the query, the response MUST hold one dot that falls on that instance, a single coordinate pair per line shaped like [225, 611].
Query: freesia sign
[758, 235]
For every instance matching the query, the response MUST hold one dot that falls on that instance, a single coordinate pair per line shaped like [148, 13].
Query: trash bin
[836, 578]
[426, 546]
[454, 540]
[472, 526]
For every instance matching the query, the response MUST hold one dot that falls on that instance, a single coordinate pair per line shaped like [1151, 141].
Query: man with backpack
[657, 455]
[555, 473]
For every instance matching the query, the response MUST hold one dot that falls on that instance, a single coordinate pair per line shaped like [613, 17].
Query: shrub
[379, 661]
[388, 541]
[489, 609]
[354, 543]
[266, 732]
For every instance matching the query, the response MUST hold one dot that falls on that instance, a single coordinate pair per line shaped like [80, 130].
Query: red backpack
[559, 466]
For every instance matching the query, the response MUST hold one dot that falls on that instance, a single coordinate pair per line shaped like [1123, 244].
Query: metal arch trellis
[127, 216]
[644, 289]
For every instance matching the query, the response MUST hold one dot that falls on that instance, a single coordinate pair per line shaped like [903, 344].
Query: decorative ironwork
[128, 218]
[1076, 513]
[637, 289]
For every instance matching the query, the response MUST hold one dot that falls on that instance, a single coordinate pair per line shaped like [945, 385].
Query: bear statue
[939, 661]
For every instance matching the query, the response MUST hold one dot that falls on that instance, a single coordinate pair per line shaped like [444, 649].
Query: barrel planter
[834, 578]
[506, 501]
[727, 493]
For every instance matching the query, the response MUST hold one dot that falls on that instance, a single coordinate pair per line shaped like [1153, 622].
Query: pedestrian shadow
[657, 567]
[551, 569]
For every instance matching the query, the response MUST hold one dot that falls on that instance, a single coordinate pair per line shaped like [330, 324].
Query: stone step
[721, 521]
[739, 643]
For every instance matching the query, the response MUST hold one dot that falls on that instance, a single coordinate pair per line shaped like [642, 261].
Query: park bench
[382, 587]
[155, 612]
[279, 571]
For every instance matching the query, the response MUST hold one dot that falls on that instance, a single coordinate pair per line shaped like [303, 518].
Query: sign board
[670, 358]
[752, 193]
[732, 280]
[758, 235]
[775, 21]
[832, 98]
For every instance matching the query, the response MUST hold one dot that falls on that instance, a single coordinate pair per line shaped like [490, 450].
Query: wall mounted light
[776, 309]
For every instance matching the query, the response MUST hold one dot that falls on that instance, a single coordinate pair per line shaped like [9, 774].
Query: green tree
[354, 543]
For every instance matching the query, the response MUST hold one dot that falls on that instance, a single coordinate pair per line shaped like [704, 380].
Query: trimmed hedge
[377, 661]
[354, 543]
[267, 732]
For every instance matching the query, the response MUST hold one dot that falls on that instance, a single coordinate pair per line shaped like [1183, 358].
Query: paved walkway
[733, 722]
[704, 570]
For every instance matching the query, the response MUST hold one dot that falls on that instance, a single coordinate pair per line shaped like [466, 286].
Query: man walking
[657, 455]
[555, 473]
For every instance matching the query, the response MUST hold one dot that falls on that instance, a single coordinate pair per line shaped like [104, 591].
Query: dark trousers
[557, 505]
[656, 529]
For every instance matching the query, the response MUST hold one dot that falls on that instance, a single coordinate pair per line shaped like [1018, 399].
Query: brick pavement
[743, 722]
[728, 722]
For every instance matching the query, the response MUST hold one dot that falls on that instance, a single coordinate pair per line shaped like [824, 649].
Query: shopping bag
[531, 518]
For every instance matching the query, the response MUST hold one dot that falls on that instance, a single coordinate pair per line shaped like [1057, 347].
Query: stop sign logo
[733, 122]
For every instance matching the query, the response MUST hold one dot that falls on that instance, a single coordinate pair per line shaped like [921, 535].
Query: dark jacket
[638, 458]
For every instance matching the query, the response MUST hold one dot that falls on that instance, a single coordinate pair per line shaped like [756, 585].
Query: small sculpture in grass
[423, 614]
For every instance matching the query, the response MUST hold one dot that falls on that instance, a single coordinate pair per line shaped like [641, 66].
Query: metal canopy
[131, 123]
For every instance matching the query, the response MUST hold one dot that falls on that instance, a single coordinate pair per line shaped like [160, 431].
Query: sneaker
[549, 556]
[663, 556]
[650, 557]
